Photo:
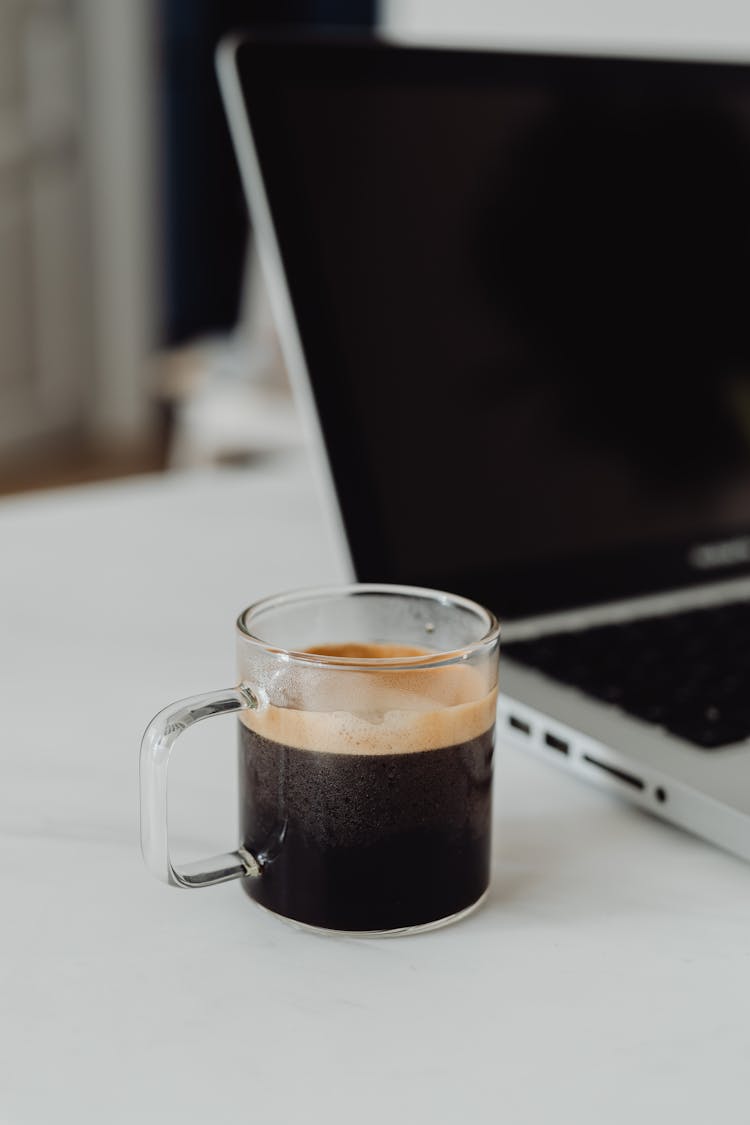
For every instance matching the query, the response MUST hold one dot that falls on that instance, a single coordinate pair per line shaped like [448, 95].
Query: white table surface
[606, 980]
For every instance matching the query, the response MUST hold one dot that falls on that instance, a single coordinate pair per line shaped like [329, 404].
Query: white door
[45, 330]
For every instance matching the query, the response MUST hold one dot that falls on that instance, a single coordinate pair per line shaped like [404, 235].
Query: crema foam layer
[382, 711]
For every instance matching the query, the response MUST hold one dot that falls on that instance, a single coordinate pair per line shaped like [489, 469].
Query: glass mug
[366, 738]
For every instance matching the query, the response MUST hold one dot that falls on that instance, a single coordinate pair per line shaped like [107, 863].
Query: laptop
[513, 293]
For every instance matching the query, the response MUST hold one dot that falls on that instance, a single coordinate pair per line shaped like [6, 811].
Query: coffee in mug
[365, 759]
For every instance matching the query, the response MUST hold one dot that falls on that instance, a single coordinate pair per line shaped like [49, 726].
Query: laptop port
[556, 743]
[613, 771]
[519, 724]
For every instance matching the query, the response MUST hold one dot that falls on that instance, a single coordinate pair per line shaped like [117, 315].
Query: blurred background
[135, 335]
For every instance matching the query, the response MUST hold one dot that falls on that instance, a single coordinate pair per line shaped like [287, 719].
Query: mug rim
[353, 589]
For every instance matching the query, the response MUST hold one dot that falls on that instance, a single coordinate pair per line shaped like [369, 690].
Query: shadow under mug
[366, 740]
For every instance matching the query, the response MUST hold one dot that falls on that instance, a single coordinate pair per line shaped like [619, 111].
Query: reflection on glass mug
[366, 729]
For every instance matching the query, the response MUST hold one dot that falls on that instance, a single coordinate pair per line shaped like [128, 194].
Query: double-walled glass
[366, 728]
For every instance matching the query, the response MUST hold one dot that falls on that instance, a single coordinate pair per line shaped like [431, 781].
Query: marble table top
[607, 978]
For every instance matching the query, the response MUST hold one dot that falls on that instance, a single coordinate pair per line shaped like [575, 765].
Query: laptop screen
[522, 285]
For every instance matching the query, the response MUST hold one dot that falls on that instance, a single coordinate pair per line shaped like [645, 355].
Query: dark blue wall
[204, 217]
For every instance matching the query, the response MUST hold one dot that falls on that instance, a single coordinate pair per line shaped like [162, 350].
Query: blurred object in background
[78, 254]
[222, 383]
[225, 398]
[122, 231]
[629, 26]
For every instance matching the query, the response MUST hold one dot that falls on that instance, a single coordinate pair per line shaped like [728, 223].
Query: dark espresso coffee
[376, 817]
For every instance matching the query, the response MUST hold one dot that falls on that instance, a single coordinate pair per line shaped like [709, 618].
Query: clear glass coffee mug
[365, 749]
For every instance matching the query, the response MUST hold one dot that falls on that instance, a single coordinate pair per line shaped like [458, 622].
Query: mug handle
[156, 747]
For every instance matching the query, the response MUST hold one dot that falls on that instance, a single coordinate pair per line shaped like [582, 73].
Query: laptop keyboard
[688, 672]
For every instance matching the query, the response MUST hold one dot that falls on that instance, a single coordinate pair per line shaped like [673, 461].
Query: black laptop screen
[523, 290]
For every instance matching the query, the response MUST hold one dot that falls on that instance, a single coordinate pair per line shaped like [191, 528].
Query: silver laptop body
[706, 792]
